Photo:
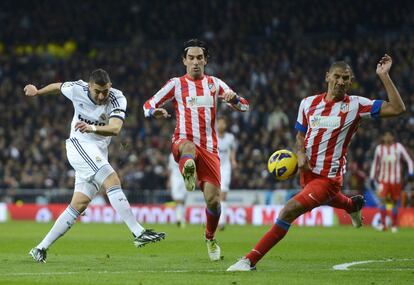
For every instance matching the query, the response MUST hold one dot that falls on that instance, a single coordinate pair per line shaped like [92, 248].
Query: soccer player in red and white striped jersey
[386, 170]
[326, 124]
[194, 143]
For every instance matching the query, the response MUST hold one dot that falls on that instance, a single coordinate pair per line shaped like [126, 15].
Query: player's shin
[213, 217]
[63, 223]
[121, 205]
[270, 239]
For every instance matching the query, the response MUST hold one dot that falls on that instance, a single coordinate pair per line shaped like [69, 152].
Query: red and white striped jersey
[195, 104]
[329, 127]
[386, 167]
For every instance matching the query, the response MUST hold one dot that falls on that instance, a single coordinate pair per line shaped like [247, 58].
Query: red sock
[213, 217]
[272, 237]
[383, 212]
[394, 216]
[341, 201]
[183, 159]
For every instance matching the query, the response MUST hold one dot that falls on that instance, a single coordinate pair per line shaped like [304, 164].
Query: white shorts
[178, 191]
[86, 159]
[225, 171]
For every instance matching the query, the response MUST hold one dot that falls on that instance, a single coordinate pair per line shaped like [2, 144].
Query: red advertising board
[161, 214]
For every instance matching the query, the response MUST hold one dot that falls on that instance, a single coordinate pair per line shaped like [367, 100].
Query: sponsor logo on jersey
[89, 122]
[200, 101]
[98, 159]
[327, 122]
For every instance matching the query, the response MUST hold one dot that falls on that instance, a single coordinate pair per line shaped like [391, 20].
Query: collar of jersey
[187, 76]
[89, 96]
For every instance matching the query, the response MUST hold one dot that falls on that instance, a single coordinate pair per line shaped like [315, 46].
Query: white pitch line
[345, 266]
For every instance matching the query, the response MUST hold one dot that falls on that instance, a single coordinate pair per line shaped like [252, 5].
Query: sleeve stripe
[114, 101]
[116, 116]
[301, 128]
[121, 110]
[376, 108]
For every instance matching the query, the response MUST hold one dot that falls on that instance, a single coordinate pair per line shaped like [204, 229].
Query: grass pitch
[104, 254]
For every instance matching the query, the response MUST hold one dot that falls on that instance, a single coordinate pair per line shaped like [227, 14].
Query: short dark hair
[195, 43]
[341, 64]
[100, 77]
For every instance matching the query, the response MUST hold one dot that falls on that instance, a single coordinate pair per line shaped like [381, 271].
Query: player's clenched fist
[83, 127]
[30, 90]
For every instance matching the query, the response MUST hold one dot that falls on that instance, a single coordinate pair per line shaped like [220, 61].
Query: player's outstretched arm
[395, 105]
[113, 128]
[31, 90]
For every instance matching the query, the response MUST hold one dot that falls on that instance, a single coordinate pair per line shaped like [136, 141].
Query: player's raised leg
[352, 206]
[119, 202]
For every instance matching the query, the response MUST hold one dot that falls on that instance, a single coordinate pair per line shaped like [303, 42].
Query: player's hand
[160, 113]
[30, 90]
[83, 127]
[384, 65]
[303, 163]
[229, 96]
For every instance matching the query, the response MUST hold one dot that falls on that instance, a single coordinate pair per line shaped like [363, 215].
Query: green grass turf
[104, 254]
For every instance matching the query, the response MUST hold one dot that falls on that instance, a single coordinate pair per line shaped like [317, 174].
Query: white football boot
[242, 265]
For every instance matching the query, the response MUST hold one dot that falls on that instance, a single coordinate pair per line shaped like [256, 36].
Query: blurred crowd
[274, 53]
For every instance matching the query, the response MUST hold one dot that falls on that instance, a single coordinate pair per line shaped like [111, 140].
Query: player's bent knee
[104, 173]
[291, 211]
[188, 147]
[80, 201]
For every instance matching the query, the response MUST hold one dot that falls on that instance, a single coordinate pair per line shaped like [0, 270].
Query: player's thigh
[208, 168]
[316, 192]
[85, 158]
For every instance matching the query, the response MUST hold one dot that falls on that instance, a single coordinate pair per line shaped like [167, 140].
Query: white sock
[121, 205]
[179, 213]
[222, 220]
[63, 223]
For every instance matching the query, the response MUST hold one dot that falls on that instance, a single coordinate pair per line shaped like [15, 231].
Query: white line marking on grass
[345, 266]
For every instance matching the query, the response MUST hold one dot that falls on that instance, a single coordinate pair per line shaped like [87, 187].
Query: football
[282, 164]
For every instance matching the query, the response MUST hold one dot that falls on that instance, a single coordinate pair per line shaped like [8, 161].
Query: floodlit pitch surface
[104, 254]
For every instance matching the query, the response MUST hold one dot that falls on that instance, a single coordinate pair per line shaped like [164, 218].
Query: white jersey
[86, 110]
[226, 145]
[178, 191]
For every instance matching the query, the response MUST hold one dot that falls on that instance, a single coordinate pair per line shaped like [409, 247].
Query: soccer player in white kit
[178, 191]
[99, 115]
[227, 153]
